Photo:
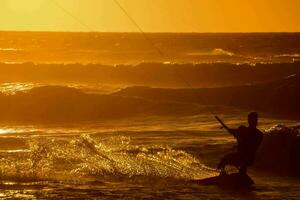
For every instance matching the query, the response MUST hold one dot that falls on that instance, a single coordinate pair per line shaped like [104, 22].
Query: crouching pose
[248, 141]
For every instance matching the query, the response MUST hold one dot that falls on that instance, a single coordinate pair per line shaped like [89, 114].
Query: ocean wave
[13, 88]
[130, 48]
[10, 50]
[65, 104]
[94, 88]
[275, 97]
[99, 158]
[214, 52]
[295, 55]
[158, 74]
[280, 150]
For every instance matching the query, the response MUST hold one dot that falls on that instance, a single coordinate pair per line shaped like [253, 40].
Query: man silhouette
[248, 141]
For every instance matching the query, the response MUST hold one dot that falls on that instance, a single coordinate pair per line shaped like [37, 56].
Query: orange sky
[152, 15]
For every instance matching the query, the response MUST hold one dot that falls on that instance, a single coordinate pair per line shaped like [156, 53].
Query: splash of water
[100, 158]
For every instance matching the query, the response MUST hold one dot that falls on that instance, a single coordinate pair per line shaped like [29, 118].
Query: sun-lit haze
[106, 99]
[152, 15]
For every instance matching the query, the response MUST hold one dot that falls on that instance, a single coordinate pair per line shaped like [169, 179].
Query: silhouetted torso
[248, 141]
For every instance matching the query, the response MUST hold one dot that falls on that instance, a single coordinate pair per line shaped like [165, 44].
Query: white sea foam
[10, 49]
[295, 55]
[214, 52]
[100, 158]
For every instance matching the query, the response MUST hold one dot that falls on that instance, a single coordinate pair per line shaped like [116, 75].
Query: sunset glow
[149, 99]
[152, 15]
[24, 6]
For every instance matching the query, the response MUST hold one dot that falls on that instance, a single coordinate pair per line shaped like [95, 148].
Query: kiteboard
[234, 180]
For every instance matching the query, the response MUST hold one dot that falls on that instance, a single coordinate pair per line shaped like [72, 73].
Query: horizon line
[150, 32]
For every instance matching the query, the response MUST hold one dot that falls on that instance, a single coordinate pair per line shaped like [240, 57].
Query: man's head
[252, 119]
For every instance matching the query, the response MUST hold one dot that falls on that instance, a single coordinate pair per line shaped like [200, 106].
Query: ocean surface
[133, 48]
[74, 125]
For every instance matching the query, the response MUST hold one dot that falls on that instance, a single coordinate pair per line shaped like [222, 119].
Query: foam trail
[100, 158]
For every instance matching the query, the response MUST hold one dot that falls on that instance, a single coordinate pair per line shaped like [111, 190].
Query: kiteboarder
[248, 141]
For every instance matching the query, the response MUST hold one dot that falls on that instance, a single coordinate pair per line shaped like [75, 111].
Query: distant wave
[95, 88]
[275, 97]
[10, 49]
[64, 104]
[130, 48]
[220, 51]
[214, 52]
[222, 55]
[149, 74]
[12, 88]
[295, 55]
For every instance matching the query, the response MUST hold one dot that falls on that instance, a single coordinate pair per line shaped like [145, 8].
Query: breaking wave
[214, 52]
[295, 55]
[280, 150]
[10, 50]
[154, 74]
[65, 104]
[98, 158]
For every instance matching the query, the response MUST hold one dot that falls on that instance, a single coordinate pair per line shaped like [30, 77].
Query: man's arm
[259, 138]
[231, 131]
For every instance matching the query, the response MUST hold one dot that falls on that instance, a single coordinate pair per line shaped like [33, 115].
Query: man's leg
[243, 169]
[229, 159]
